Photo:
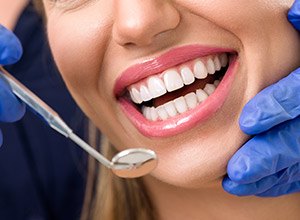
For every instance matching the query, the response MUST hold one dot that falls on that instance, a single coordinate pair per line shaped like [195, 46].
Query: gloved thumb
[10, 47]
[273, 105]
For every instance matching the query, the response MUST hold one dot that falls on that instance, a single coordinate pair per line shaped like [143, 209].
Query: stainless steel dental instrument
[130, 163]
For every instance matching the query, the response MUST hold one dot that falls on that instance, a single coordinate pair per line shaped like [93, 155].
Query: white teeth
[191, 100]
[224, 59]
[156, 87]
[153, 113]
[201, 95]
[217, 63]
[162, 112]
[187, 76]
[181, 105]
[209, 88]
[200, 70]
[170, 108]
[145, 94]
[210, 66]
[147, 112]
[172, 80]
[135, 96]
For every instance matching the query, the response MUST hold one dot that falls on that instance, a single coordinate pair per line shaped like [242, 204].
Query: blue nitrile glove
[11, 109]
[269, 163]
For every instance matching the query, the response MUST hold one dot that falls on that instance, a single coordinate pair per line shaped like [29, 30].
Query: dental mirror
[130, 163]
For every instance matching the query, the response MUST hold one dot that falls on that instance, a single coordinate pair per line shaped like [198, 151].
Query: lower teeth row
[179, 105]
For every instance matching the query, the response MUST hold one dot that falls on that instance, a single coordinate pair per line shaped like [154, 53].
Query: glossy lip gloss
[189, 119]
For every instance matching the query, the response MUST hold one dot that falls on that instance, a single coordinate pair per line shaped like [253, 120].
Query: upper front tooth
[156, 87]
[172, 80]
[135, 96]
[187, 76]
[210, 66]
[217, 63]
[145, 94]
[224, 59]
[200, 70]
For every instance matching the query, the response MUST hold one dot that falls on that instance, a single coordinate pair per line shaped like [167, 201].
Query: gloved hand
[269, 164]
[11, 109]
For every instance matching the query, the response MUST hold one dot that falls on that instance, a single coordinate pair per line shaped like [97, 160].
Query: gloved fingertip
[231, 187]
[294, 15]
[19, 109]
[227, 184]
[237, 169]
[20, 112]
[10, 48]
[247, 124]
[10, 55]
[249, 121]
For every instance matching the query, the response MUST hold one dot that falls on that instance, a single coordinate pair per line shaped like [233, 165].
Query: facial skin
[10, 12]
[93, 42]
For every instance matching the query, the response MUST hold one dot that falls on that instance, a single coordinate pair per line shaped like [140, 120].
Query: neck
[173, 203]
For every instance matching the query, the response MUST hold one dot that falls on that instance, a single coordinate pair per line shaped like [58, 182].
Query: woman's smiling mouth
[178, 90]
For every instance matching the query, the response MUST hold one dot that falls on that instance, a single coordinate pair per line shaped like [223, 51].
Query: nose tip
[139, 22]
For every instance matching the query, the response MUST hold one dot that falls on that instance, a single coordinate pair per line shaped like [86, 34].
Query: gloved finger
[275, 104]
[282, 177]
[10, 47]
[11, 109]
[235, 188]
[244, 189]
[281, 190]
[249, 189]
[266, 153]
[294, 15]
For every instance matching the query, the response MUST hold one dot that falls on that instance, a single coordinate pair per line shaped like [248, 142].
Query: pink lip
[183, 121]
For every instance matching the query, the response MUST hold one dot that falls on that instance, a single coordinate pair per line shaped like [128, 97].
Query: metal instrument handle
[49, 115]
[36, 104]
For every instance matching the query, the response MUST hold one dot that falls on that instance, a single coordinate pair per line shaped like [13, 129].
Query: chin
[200, 163]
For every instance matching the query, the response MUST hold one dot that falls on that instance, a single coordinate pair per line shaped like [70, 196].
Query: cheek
[269, 43]
[79, 52]
[241, 17]
[77, 43]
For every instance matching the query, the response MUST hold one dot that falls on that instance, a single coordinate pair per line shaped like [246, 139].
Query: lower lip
[187, 120]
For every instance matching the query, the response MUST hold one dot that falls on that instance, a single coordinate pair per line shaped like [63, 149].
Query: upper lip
[159, 64]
